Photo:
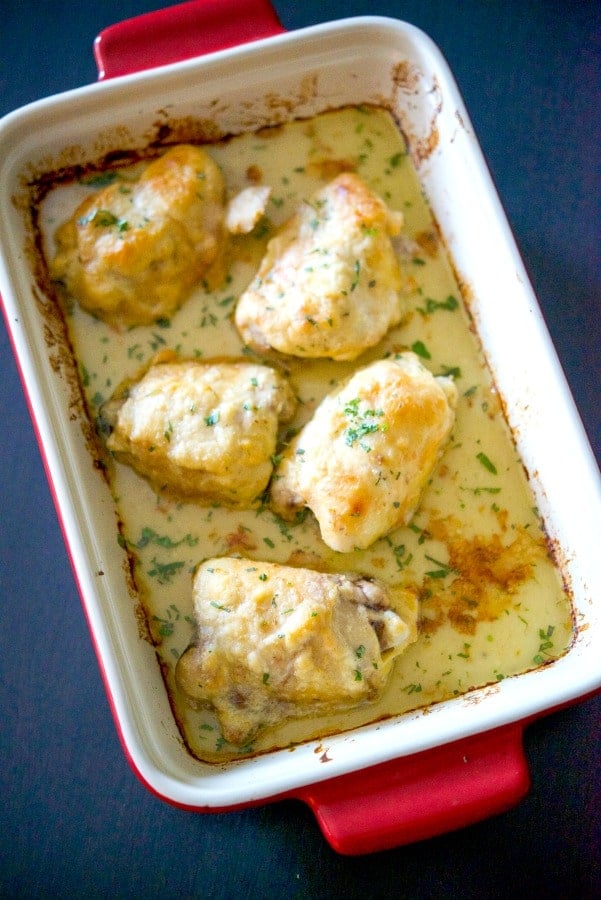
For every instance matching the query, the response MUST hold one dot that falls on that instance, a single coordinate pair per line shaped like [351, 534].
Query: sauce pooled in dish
[473, 551]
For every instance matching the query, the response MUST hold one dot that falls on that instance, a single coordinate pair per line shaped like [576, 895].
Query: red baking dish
[429, 770]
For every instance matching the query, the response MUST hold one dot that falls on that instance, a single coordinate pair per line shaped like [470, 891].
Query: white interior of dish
[366, 60]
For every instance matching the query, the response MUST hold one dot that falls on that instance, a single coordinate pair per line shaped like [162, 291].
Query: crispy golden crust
[361, 463]
[276, 642]
[131, 252]
[204, 431]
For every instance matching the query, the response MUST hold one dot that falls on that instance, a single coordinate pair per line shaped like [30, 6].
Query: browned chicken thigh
[361, 463]
[329, 284]
[275, 642]
[204, 431]
[132, 251]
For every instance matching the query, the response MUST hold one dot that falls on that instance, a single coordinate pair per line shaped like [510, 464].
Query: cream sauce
[492, 601]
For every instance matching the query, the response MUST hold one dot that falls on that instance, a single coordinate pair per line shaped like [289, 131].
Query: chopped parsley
[220, 606]
[150, 536]
[104, 218]
[397, 159]
[362, 424]
[545, 645]
[450, 304]
[357, 271]
[486, 462]
[420, 349]
[100, 179]
[164, 572]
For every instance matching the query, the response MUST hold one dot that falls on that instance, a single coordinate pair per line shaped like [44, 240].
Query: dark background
[74, 820]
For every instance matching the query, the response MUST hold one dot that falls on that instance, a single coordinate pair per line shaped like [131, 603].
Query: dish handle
[420, 796]
[181, 32]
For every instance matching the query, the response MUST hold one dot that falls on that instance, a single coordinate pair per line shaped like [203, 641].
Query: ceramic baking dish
[418, 774]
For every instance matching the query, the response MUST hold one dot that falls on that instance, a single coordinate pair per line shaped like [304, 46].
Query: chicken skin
[361, 463]
[276, 642]
[204, 431]
[329, 284]
[132, 251]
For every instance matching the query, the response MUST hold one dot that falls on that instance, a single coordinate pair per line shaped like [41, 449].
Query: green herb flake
[450, 372]
[450, 304]
[166, 627]
[103, 218]
[545, 645]
[486, 490]
[420, 349]
[100, 179]
[486, 462]
[396, 160]
[354, 434]
[149, 536]
[443, 568]
[362, 428]
[164, 572]
[219, 606]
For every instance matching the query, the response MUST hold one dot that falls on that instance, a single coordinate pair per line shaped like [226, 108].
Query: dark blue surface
[74, 820]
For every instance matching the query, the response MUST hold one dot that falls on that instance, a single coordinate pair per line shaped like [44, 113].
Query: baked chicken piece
[204, 431]
[329, 284]
[276, 642]
[362, 461]
[132, 251]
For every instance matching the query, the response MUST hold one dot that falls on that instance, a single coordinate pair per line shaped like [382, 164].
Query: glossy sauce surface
[492, 601]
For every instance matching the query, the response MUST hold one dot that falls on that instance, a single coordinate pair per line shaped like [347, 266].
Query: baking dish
[538, 407]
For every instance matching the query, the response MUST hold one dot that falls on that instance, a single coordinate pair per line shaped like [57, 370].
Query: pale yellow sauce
[493, 603]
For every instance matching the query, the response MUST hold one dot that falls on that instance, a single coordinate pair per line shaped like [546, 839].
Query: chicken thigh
[361, 463]
[132, 251]
[329, 284]
[275, 642]
[205, 431]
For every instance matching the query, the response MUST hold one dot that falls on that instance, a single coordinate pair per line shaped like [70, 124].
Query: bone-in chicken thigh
[204, 431]
[275, 642]
[362, 461]
[132, 251]
[329, 284]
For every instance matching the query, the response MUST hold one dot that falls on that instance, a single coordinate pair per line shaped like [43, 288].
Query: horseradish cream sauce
[492, 601]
